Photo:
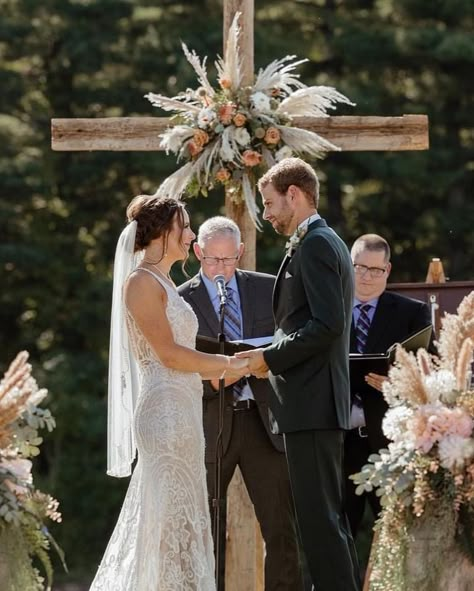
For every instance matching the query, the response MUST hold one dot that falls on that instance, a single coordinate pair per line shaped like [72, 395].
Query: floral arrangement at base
[231, 134]
[24, 510]
[424, 536]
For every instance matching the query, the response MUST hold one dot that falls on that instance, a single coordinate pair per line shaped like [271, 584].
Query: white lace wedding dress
[162, 540]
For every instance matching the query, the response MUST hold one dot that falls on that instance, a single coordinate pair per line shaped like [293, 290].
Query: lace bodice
[181, 317]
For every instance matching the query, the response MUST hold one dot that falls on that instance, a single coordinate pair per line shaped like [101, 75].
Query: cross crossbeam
[408, 132]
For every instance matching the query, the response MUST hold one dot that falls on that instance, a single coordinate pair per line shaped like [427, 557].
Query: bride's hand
[237, 368]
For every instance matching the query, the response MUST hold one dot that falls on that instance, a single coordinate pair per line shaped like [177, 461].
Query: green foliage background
[61, 213]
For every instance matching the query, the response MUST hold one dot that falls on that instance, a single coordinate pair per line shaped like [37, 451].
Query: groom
[308, 363]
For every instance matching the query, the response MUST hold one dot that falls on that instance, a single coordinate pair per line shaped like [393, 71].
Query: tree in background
[61, 213]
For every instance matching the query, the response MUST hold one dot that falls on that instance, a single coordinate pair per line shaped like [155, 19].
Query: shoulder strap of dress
[160, 280]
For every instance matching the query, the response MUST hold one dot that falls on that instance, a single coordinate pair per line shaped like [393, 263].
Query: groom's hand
[256, 361]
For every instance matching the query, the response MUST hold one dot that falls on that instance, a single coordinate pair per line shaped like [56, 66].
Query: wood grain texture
[409, 132]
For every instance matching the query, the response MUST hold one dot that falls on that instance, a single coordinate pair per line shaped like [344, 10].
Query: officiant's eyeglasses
[374, 272]
[214, 261]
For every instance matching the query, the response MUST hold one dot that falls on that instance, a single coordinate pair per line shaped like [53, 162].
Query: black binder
[212, 345]
[361, 364]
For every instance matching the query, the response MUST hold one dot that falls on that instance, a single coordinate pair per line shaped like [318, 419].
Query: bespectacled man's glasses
[374, 272]
[214, 261]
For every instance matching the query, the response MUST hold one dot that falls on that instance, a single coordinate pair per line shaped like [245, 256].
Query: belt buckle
[241, 404]
[362, 431]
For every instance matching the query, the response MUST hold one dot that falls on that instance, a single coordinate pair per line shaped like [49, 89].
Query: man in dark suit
[309, 365]
[247, 438]
[390, 318]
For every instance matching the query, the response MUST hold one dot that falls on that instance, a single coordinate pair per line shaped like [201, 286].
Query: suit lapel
[276, 288]
[319, 223]
[203, 305]
[353, 342]
[247, 302]
[383, 317]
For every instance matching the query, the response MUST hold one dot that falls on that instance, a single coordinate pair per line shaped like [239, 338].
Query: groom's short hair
[292, 171]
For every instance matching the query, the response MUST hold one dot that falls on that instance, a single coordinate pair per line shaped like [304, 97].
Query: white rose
[260, 102]
[242, 136]
[455, 450]
[205, 117]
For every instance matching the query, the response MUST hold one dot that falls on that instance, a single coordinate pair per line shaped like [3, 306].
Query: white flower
[206, 117]
[295, 239]
[173, 138]
[454, 450]
[242, 136]
[439, 383]
[21, 469]
[394, 424]
[226, 152]
[260, 102]
[283, 153]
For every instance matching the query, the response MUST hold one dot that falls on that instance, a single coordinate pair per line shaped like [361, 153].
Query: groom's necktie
[362, 327]
[233, 330]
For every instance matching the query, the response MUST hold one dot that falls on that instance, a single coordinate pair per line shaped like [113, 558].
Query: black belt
[243, 404]
[360, 432]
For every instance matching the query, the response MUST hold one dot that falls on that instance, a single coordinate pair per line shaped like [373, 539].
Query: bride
[162, 540]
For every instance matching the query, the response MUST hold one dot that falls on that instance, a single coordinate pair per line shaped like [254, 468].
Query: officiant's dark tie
[233, 330]
[362, 327]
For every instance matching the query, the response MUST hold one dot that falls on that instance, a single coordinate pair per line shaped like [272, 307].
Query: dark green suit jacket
[309, 357]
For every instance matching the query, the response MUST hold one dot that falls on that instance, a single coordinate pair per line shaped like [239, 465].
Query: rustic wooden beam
[372, 133]
[244, 548]
[409, 132]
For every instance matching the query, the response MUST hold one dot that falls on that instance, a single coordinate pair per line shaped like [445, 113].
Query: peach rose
[223, 175]
[251, 158]
[226, 112]
[225, 83]
[272, 136]
[200, 138]
[194, 148]
[239, 119]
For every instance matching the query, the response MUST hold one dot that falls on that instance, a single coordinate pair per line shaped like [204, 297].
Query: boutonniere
[295, 240]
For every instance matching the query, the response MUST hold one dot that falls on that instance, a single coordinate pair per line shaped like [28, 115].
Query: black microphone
[219, 280]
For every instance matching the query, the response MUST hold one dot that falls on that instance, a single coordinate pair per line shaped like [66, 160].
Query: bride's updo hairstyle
[155, 217]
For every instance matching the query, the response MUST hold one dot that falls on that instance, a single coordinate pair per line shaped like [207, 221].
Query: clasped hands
[256, 362]
[245, 363]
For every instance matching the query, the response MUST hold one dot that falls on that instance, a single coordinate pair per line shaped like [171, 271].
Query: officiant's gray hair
[218, 226]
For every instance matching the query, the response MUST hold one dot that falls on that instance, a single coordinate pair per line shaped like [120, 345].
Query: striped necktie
[362, 327]
[233, 330]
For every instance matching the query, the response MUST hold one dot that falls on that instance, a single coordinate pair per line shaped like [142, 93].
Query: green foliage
[61, 213]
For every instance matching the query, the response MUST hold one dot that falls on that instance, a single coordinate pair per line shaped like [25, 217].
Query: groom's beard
[282, 226]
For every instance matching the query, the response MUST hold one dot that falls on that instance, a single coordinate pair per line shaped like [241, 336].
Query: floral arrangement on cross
[24, 510]
[231, 134]
[425, 533]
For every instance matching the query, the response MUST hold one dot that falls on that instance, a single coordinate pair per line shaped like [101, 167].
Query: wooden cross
[244, 560]
[408, 132]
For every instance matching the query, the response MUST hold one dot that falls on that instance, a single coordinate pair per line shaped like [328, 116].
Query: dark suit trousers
[265, 474]
[315, 465]
[357, 450]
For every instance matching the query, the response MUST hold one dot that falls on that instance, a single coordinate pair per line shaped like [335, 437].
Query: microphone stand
[219, 502]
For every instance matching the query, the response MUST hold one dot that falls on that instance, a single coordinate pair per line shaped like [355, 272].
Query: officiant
[248, 441]
[380, 318]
